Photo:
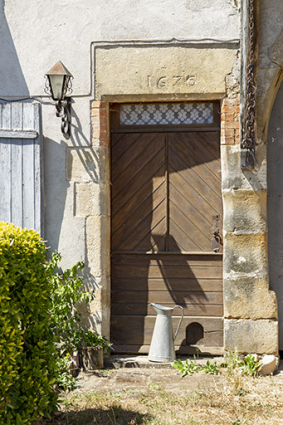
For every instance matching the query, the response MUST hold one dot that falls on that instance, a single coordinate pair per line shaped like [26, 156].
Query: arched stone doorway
[275, 204]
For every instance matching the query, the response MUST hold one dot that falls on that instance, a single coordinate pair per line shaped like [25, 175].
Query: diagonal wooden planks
[138, 192]
[194, 190]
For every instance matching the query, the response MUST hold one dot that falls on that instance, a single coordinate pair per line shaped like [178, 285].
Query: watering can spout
[162, 347]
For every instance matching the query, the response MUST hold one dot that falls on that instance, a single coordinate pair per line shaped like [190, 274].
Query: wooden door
[166, 199]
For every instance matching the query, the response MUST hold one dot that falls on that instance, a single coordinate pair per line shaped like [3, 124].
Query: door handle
[216, 239]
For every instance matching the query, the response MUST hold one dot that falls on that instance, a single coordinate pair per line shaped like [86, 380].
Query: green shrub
[66, 292]
[27, 352]
[69, 335]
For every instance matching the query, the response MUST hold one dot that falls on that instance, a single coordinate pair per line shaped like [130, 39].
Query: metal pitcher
[162, 347]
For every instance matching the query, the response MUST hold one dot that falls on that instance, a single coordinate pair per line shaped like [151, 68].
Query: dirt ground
[142, 379]
[154, 396]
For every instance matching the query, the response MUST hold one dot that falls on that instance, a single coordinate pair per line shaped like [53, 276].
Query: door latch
[216, 239]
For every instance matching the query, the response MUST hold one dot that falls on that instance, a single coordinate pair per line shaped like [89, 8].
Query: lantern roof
[59, 69]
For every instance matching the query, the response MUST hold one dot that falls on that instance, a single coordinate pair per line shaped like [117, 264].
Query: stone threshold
[118, 361]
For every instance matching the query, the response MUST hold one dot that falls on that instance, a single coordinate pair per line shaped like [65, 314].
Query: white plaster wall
[43, 32]
[36, 34]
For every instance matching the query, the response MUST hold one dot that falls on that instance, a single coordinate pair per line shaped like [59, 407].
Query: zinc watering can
[162, 348]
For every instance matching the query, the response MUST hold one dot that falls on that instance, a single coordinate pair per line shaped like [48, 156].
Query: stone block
[233, 178]
[245, 211]
[87, 164]
[92, 199]
[248, 298]
[162, 70]
[96, 315]
[245, 254]
[251, 336]
[98, 245]
[269, 365]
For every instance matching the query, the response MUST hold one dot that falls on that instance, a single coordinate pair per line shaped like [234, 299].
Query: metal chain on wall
[248, 159]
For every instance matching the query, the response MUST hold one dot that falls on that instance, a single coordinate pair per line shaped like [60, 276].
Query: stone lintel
[122, 70]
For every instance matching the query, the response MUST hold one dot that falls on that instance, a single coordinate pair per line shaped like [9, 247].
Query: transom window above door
[167, 114]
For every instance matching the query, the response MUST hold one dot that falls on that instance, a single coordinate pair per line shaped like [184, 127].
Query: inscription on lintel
[171, 81]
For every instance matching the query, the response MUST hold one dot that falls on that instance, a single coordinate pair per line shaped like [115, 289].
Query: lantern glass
[56, 84]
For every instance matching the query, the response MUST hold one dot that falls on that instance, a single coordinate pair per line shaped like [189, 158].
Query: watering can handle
[178, 327]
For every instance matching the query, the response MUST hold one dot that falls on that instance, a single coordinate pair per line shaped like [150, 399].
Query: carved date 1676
[172, 81]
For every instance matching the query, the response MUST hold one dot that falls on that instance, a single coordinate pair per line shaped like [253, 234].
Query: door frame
[116, 127]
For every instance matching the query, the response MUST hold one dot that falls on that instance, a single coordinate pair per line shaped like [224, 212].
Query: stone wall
[250, 307]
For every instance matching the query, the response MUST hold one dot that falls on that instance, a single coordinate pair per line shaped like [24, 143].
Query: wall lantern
[58, 84]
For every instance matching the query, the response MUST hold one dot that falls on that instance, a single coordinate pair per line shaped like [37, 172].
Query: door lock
[216, 239]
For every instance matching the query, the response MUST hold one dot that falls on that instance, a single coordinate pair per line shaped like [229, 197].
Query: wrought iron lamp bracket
[63, 110]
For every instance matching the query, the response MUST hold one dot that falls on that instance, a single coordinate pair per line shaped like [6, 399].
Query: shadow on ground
[115, 415]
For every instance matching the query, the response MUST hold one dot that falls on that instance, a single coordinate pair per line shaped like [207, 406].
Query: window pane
[166, 114]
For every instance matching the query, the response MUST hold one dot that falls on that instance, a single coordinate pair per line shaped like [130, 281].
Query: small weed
[154, 387]
[210, 368]
[247, 365]
[106, 371]
[232, 361]
[251, 367]
[186, 368]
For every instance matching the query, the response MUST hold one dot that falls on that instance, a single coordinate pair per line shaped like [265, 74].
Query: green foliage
[247, 365]
[232, 361]
[251, 366]
[186, 368]
[90, 339]
[27, 352]
[66, 292]
[189, 367]
[65, 380]
[210, 368]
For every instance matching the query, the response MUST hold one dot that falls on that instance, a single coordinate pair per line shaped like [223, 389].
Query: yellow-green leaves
[27, 360]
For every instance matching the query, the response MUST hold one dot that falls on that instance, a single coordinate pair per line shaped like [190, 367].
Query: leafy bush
[66, 292]
[90, 339]
[65, 380]
[69, 335]
[27, 352]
